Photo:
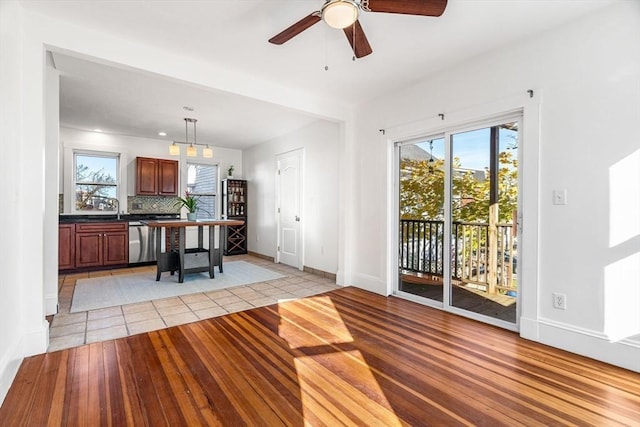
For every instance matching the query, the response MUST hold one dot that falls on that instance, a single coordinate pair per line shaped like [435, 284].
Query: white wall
[320, 142]
[12, 324]
[129, 148]
[586, 79]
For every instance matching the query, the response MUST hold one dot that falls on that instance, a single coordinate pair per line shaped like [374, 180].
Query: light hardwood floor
[346, 357]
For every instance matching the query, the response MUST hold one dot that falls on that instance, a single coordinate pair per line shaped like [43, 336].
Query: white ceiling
[127, 102]
[234, 33]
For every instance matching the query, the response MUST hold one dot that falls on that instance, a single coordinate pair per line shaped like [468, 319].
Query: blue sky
[472, 148]
[95, 163]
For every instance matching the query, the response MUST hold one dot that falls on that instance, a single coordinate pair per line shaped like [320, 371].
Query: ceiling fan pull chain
[326, 50]
[353, 34]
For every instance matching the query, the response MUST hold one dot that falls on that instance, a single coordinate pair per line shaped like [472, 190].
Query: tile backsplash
[140, 204]
[151, 204]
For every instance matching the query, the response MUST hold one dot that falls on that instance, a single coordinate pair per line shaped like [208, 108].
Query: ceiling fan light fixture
[340, 14]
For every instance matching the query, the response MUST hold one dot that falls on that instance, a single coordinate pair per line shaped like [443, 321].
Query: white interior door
[288, 208]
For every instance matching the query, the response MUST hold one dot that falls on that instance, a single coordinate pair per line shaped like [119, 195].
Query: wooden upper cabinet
[156, 177]
[167, 177]
[146, 176]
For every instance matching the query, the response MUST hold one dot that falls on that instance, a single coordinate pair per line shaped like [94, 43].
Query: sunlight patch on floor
[333, 329]
[359, 391]
[329, 348]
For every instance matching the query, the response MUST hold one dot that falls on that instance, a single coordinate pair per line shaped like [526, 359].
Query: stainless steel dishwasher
[142, 243]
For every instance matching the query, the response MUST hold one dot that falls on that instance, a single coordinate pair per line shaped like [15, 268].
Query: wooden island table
[189, 260]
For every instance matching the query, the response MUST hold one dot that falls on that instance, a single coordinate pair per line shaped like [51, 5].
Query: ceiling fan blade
[357, 40]
[296, 28]
[409, 7]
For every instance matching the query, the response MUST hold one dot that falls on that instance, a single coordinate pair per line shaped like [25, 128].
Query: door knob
[297, 218]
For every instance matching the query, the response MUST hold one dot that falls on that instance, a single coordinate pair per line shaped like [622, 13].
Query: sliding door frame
[396, 141]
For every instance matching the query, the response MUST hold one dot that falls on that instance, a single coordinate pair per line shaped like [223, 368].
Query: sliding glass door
[421, 226]
[457, 228]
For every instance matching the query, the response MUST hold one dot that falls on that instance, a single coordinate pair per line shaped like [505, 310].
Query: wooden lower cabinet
[66, 246]
[116, 248]
[101, 244]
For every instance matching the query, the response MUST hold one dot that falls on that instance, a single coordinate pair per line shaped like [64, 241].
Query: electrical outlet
[559, 301]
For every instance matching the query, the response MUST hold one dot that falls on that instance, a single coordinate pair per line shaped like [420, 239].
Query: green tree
[422, 190]
[92, 185]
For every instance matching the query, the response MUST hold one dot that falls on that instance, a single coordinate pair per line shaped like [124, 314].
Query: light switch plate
[559, 197]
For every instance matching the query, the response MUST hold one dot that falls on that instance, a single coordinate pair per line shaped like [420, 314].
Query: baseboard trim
[51, 304]
[341, 278]
[36, 342]
[529, 329]
[9, 366]
[589, 343]
[305, 268]
[370, 283]
[257, 255]
[29, 344]
[321, 273]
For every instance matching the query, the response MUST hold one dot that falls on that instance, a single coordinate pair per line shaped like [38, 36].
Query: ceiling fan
[343, 14]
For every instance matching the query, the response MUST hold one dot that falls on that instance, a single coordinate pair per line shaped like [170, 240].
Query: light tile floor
[74, 329]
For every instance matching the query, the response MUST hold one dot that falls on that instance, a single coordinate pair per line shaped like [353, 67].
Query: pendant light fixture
[192, 150]
[207, 152]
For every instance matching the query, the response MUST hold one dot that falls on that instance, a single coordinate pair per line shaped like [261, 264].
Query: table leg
[212, 263]
[181, 248]
[222, 238]
[158, 251]
[171, 233]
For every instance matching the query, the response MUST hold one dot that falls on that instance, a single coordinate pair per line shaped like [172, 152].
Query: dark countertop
[83, 218]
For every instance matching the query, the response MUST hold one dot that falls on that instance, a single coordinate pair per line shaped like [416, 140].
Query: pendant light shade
[207, 152]
[192, 149]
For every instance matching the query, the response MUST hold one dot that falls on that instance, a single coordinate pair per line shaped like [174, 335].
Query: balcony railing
[422, 251]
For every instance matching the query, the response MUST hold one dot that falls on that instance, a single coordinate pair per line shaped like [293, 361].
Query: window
[96, 182]
[202, 182]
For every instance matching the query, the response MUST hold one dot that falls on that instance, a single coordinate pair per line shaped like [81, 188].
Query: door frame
[299, 152]
[527, 113]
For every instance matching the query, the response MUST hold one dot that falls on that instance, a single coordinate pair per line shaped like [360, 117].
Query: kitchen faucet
[117, 206]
